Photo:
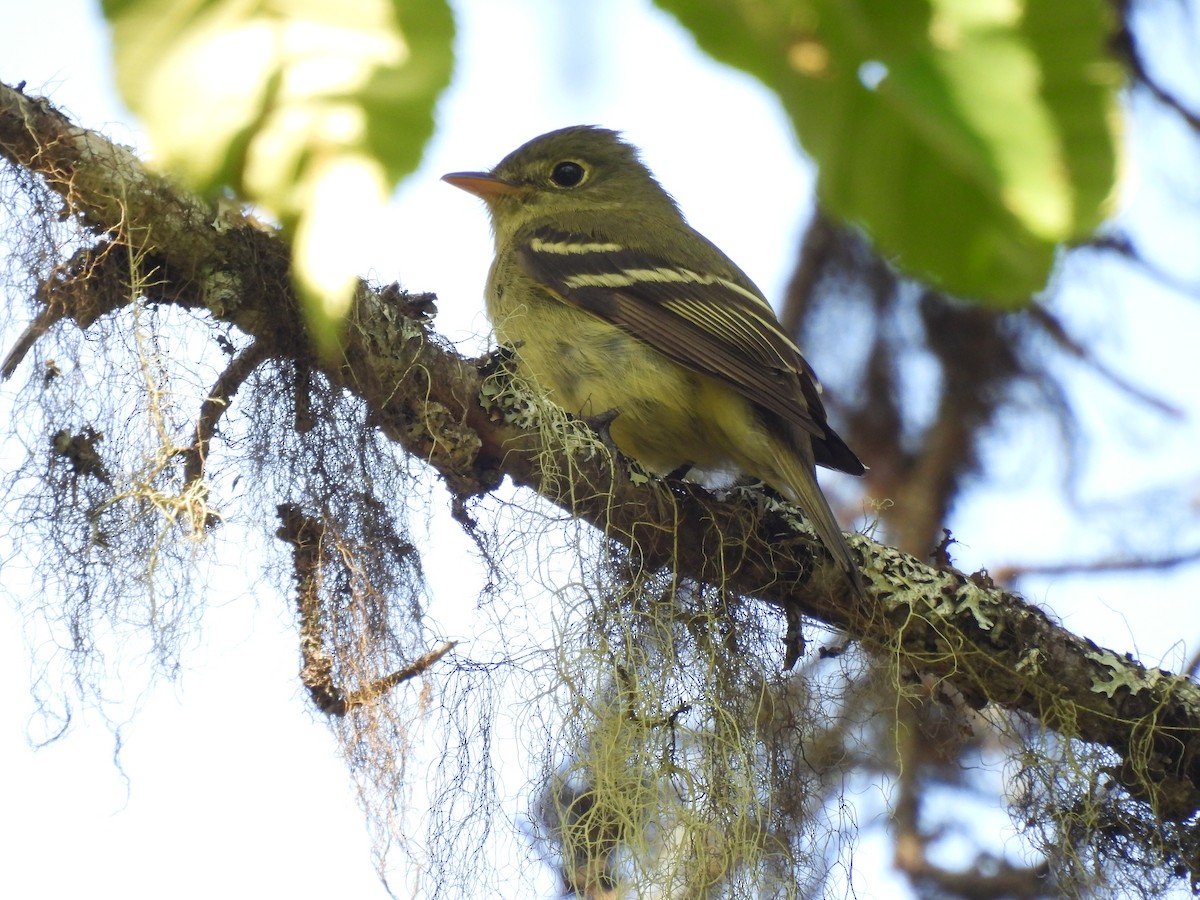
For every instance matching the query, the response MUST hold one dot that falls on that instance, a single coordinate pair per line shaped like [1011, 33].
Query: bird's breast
[667, 415]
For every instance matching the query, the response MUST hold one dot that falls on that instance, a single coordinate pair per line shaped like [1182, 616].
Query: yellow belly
[667, 416]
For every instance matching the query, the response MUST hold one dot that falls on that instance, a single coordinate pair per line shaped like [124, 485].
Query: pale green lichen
[970, 597]
[1122, 674]
[517, 407]
[638, 475]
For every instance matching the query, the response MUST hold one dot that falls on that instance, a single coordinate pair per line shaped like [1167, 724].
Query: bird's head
[565, 175]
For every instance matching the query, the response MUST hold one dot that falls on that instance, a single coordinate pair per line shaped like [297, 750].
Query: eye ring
[568, 174]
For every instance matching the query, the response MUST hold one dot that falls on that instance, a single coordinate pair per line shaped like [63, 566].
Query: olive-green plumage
[613, 302]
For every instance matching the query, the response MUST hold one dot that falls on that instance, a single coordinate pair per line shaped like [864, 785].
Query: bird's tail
[806, 493]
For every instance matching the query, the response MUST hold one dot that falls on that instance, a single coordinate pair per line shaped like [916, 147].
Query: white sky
[234, 786]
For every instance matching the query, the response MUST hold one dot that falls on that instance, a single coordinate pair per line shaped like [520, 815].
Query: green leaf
[312, 110]
[969, 137]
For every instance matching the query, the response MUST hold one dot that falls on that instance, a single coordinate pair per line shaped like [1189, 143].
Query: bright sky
[234, 786]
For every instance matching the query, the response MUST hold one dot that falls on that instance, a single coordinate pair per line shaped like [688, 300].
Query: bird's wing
[706, 322]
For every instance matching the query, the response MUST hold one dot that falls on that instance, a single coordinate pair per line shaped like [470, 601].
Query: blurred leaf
[969, 137]
[312, 110]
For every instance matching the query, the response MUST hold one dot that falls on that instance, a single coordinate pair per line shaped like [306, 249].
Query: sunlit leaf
[969, 137]
[312, 110]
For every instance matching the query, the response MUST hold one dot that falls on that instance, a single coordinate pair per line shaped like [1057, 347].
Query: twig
[307, 534]
[1054, 328]
[215, 405]
[1010, 573]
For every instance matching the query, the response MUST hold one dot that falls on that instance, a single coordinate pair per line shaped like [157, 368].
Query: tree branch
[312, 543]
[993, 645]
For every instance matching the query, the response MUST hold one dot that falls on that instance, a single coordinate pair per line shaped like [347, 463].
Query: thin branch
[1054, 328]
[72, 291]
[1010, 573]
[215, 405]
[373, 691]
[988, 878]
[1126, 45]
[1122, 245]
[308, 535]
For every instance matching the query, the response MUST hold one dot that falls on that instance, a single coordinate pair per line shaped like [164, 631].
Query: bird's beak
[481, 184]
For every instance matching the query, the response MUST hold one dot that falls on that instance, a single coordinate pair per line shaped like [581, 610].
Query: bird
[613, 304]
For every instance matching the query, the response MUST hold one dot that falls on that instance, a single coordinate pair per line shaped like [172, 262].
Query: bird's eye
[567, 174]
